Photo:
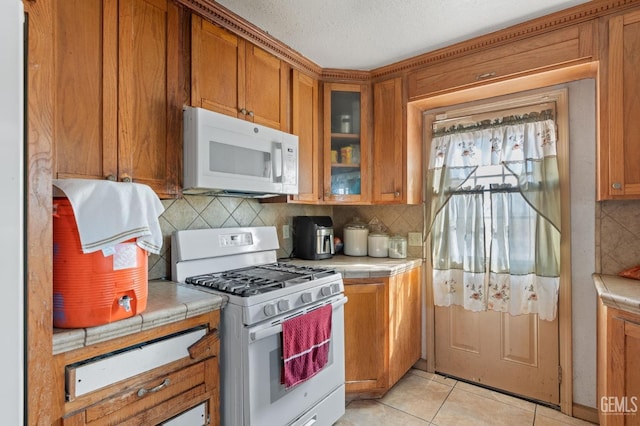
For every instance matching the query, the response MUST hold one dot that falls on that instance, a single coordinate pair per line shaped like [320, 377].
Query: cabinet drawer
[558, 47]
[91, 375]
[155, 400]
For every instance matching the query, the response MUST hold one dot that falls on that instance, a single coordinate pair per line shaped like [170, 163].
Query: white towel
[108, 213]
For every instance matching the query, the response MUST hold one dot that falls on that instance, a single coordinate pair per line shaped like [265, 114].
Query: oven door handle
[261, 334]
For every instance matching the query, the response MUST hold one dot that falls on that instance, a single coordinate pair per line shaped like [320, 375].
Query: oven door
[269, 402]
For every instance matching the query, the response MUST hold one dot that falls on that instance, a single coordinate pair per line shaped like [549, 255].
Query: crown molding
[337, 75]
[575, 15]
[216, 13]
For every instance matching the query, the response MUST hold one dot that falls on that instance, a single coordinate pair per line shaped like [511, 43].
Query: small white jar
[378, 244]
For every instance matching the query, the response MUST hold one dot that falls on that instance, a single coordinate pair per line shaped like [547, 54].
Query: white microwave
[227, 156]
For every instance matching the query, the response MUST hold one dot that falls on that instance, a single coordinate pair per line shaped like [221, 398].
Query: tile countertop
[618, 292]
[362, 266]
[167, 302]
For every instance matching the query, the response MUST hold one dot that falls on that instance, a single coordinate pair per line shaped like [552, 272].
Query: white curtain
[496, 246]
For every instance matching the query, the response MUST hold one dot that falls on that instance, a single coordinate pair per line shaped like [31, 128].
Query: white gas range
[241, 263]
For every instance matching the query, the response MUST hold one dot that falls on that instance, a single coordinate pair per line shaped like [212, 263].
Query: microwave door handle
[276, 155]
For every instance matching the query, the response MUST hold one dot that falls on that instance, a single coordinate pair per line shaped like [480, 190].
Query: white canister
[355, 239]
[378, 244]
[397, 247]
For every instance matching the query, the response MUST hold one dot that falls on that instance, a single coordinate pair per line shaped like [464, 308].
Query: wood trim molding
[563, 18]
[40, 408]
[583, 412]
[223, 17]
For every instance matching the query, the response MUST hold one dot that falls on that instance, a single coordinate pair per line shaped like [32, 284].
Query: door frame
[514, 88]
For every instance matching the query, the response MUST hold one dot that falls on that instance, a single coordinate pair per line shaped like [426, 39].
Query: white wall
[582, 135]
[11, 213]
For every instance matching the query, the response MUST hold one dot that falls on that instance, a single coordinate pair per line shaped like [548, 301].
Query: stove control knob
[270, 310]
[283, 305]
[326, 291]
[335, 288]
[307, 297]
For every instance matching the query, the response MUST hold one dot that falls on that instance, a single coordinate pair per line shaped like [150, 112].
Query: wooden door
[149, 101]
[215, 54]
[405, 322]
[264, 91]
[85, 109]
[517, 354]
[366, 336]
[305, 124]
[388, 159]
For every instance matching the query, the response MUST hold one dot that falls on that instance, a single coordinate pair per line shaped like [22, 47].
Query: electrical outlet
[415, 238]
[285, 232]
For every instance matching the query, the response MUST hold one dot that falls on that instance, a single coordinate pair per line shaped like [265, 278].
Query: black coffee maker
[313, 237]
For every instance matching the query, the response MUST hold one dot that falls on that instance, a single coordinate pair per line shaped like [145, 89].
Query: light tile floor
[422, 398]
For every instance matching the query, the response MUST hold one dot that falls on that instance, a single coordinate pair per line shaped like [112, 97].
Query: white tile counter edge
[167, 302]
[618, 292]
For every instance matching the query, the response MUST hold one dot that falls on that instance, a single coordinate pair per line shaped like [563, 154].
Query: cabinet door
[304, 111]
[214, 67]
[366, 337]
[149, 106]
[405, 322]
[623, 107]
[618, 397]
[388, 158]
[264, 90]
[346, 143]
[231, 76]
[85, 86]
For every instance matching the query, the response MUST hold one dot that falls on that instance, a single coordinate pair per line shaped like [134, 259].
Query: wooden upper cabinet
[118, 109]
[86, 97]
[570, 45]
[234, 77]
[388, 148]
[304, 112]
[619, 174]
[346, 145]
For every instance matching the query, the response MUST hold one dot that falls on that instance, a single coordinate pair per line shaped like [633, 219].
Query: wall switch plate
[415, 238]
[285, 232]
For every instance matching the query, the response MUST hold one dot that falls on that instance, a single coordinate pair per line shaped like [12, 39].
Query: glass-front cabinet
[346, 147]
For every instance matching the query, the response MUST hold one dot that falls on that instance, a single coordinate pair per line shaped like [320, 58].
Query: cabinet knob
[396, 194]
[243, 111]
[616, 185]
[126, 179]
[250, 113]
[112, 178]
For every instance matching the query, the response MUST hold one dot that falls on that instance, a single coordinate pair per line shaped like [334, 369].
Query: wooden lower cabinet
[618, 366]
[151, 396]
[382, 331]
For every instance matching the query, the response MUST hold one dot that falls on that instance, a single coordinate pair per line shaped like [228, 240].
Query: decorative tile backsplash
[617, 236]
[617, 225]
[199, 212]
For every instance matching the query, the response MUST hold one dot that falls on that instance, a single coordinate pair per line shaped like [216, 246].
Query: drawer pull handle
[164, 384]
[485, 75]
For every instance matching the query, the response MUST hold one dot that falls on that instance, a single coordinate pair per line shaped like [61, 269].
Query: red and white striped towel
[305, 345]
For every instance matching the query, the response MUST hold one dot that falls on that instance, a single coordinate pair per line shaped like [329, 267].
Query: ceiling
[367, 34]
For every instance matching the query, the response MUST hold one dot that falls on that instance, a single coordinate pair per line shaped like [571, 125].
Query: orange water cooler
[94, 288]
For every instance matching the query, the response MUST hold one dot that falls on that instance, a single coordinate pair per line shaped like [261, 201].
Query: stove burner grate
[259, 279]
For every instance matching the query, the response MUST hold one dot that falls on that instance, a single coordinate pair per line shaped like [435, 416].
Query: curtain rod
[533, 116]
